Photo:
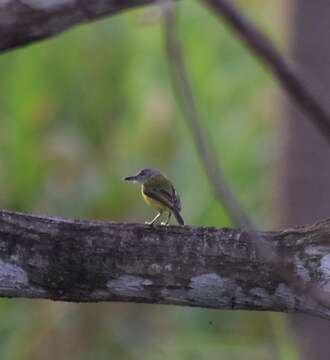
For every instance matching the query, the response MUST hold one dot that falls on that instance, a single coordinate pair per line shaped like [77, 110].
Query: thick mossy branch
[26, 21]
[84, 261]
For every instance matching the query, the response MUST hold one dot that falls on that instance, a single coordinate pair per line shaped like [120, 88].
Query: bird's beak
[130, 178]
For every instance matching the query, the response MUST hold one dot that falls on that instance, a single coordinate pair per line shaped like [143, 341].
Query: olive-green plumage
[159, 193]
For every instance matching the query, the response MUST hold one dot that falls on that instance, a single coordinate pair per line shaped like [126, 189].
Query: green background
[83, 110]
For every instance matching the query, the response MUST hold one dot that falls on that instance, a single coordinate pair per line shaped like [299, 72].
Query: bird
[159, 193]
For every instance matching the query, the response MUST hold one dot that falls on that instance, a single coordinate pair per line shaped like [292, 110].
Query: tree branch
[207, 154]
[260, 45]
[85, 261]
[26, 21]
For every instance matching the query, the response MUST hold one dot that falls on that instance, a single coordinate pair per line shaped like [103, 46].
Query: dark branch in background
[89, 261]
[22, 23]
[259, 44]
[25, 22]
[263, 250]
[295, 87]
[204, 147]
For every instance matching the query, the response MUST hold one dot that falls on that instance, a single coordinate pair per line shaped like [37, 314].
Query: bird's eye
[143, 172]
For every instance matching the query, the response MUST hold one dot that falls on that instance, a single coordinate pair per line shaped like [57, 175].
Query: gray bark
[26, 21]
[90, 261]
[305, 155]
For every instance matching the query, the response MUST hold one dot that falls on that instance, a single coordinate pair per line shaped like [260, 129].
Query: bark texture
[305, 155]
[89, 261]
[26, 21]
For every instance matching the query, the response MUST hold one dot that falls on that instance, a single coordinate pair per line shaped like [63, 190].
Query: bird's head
[142, 176]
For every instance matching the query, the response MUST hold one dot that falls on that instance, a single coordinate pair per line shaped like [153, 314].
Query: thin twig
[205, 149]
[21, 25]
[264, 251]
[259, 44]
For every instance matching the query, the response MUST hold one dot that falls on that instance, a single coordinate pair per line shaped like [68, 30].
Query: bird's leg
[168, 219]
[153, 220]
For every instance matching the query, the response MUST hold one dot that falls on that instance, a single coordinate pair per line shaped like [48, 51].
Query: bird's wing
[163, 199]
[172, 196]
[176, 199]
[161, 187]
[161, 196]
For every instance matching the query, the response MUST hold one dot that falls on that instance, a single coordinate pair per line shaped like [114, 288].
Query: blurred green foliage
[79, 112]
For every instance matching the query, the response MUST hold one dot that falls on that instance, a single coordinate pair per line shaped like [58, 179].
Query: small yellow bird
[159, 193]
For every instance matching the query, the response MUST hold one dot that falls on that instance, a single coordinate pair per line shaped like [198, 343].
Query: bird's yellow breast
[154, 203]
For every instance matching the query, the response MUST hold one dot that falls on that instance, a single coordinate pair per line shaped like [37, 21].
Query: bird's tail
[178, 216]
